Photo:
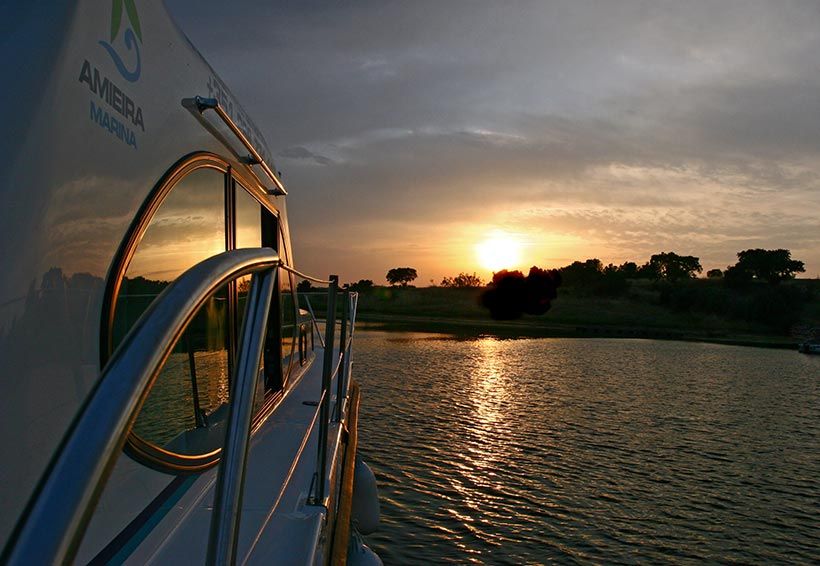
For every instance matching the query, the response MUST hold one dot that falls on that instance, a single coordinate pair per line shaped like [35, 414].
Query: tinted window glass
[186, 406]
[248, 235]
[188, 227]
[248, 220]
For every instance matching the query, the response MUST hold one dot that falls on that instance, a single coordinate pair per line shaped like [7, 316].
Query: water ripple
[620, 451]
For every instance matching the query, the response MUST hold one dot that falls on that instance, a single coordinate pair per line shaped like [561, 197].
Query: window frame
[141, 450]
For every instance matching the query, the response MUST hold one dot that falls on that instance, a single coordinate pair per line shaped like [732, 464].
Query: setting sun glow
[499, 251]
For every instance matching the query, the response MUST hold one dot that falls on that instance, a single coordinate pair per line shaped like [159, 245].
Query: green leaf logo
[116, 18]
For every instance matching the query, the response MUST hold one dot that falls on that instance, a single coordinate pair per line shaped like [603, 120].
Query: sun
[498, 251]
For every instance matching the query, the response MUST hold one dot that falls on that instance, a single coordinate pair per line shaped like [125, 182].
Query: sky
[409, 132]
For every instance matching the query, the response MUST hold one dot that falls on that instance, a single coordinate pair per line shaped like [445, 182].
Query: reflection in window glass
[248, 220]
[243, 286]
[248, 235]
[188, 227]
[186, 406]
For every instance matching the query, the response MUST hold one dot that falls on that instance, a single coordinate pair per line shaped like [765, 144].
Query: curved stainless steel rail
[52, 526]
[231, 478]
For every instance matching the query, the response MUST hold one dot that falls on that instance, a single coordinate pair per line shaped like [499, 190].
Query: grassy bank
[576, 314]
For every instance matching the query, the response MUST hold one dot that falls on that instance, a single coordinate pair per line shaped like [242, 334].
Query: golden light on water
[498, 251]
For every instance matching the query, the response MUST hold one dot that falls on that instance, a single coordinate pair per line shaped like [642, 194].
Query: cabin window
[187, 407]
[248, 226]
[189, 226]
[190, 394]
[255, 227]
[248, 219]
[199, 211]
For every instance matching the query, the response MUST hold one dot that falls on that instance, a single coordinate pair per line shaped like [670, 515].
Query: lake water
[535, 450]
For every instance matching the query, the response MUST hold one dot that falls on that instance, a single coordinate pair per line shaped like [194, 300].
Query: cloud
[299, 152]
[648, 125]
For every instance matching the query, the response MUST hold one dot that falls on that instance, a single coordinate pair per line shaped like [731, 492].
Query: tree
[303, 286]
[648, 271]
[673, 267]
[401, 276]
[462, 280]
[714, 274]
[582, 273]
[613, 281]
[629, 269]
[505, 274]
[361, 286]
[773, 266]
[510, 294]
[591, 277]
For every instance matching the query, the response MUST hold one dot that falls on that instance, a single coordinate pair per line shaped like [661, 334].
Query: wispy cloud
[302, 153]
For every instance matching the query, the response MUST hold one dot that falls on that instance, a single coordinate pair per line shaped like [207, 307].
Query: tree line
[753, 265]
[751, 289]
[772, 266]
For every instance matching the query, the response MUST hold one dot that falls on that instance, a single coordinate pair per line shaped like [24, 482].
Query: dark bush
[510, 294]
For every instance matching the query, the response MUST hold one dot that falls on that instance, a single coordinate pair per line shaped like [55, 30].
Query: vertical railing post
[351, 325]
[324, 407]
[313, 319]
[230, 480]
[354, 307]
[341, 392]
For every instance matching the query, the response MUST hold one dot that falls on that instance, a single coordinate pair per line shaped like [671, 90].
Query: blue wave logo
[132, 37]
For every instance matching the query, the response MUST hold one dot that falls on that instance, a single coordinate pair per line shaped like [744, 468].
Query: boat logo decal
[132, 38]
[110, 107]
[106, 91]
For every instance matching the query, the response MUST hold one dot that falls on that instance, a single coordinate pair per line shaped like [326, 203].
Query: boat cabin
[138, 192]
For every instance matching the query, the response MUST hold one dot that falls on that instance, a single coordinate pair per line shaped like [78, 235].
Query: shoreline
[524, 329]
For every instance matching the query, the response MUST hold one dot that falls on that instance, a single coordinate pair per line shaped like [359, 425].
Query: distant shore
[516, 329]
[573, 315]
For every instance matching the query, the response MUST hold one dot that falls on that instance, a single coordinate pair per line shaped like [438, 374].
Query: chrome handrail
[231, 477]
[52, 526]
[353, 304]
[340, 391]
[324, 408]
[202, 104]
[347, 328]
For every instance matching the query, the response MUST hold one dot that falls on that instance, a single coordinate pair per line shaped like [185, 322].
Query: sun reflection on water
[485, 436]
[489, 389]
